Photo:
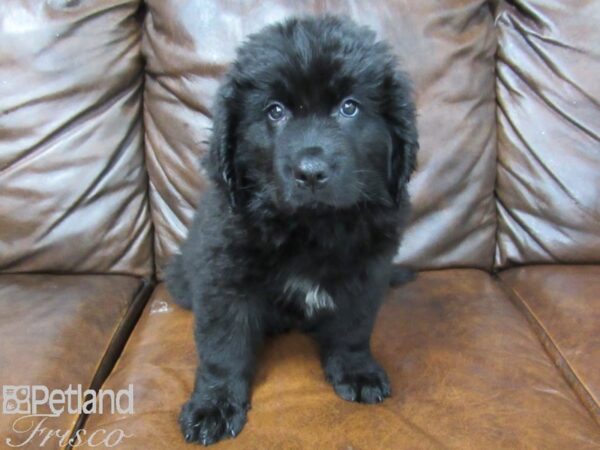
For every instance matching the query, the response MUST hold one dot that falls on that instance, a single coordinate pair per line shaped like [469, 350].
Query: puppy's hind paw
[209, 423]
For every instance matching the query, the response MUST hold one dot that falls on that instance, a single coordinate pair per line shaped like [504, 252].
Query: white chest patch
[315, 297]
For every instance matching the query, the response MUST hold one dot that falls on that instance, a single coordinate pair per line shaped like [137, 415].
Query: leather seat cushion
[59, 330]
[467, 371]
[563, 304]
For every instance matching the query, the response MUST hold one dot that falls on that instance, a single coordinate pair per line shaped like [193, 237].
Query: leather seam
[556, 355]
[113, 350]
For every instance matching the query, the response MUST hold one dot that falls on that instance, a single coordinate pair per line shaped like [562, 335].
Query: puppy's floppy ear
[400, 113]
[220, 162]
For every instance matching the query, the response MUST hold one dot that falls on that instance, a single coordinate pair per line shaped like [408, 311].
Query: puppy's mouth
[292, 199]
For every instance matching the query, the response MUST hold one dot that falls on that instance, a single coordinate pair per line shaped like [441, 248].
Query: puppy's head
[313, 114]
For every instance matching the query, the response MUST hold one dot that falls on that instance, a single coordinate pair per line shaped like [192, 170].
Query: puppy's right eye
[276, 112]
[349, 108]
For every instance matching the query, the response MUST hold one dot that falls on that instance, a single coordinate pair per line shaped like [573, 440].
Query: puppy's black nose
[311, 172]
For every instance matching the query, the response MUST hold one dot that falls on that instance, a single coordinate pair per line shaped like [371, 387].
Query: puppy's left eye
[276, 111]
[349, 108]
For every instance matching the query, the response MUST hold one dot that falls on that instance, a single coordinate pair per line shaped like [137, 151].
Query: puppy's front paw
[363, 386]
[209, 422]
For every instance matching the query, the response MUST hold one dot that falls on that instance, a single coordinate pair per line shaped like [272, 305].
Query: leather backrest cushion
[548, 132]
[73, 187]
[448, 49]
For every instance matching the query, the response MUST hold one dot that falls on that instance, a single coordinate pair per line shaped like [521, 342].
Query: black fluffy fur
[260, 246]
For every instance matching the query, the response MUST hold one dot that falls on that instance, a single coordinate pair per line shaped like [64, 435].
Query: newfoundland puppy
[314, 141]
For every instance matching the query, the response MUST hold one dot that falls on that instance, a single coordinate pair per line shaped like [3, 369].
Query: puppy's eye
[276, 112]
[349, 108]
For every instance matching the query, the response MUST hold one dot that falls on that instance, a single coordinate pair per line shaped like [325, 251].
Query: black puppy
[313, 144]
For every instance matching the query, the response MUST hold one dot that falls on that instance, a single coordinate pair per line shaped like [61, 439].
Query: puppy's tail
[177, 283]
[401, 275]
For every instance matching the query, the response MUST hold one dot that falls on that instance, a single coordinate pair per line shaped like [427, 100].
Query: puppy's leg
[345, 349]
[227, 338]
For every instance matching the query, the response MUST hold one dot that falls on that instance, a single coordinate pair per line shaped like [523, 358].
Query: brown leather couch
[104, 112]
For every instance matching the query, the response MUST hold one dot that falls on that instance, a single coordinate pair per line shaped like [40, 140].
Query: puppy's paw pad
[207, 424]
[363, 387]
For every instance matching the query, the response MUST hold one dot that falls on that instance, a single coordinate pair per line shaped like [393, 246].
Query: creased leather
[73, 187]
[548, 187]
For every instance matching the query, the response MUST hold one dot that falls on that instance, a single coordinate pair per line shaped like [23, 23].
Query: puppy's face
[313, 115]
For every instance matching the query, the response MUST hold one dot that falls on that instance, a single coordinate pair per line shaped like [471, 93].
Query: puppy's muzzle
[311, 171]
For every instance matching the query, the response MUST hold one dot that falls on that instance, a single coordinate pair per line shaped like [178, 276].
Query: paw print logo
[16, 400]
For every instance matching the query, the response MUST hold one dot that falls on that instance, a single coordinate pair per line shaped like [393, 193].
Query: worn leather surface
[55, 331]
[563, 302]
[467, 372]
[447, 48]
[548, 185]
[72, 177]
